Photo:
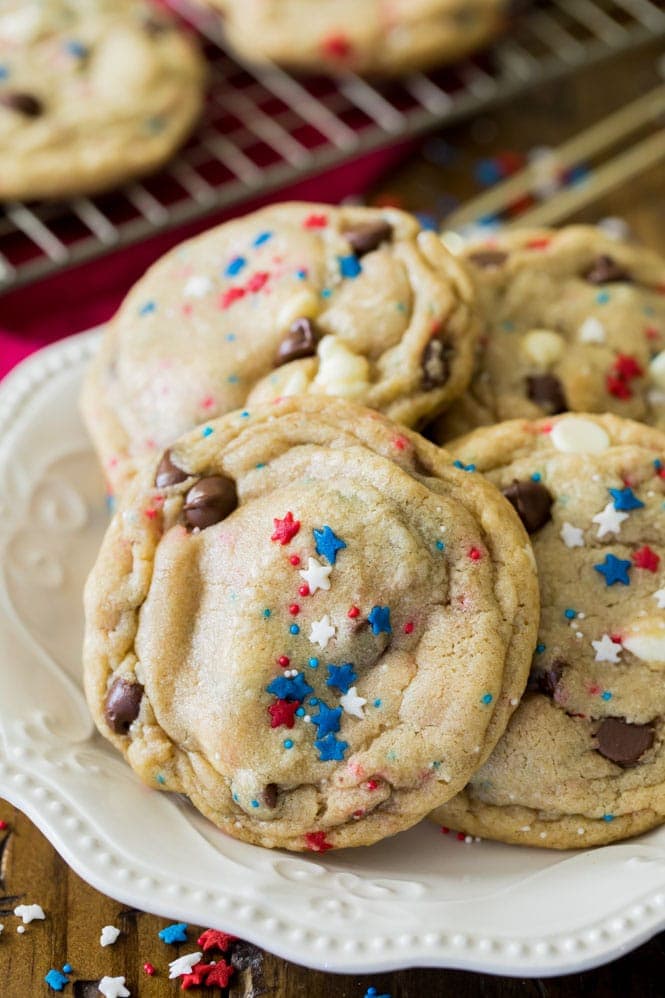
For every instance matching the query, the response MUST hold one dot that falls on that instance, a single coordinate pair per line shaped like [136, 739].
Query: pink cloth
[89, 294]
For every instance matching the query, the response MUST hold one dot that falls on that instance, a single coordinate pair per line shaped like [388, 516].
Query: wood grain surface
[31, 871]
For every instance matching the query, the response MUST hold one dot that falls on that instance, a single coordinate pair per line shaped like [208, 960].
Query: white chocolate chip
[302, 305]
[573, 435]
[543, 347]
[125, 54]
[341, 372]
[657, 370]
[647, 643]
[591, 331]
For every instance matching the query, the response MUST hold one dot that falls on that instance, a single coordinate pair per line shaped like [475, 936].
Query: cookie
[293, 299]
[583, 759]
[312, 623]
[383, 37]
[574, 321]
[92, 93]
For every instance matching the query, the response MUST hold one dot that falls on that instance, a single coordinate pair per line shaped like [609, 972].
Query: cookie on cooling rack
[383, 37]
[582, 761]
[293, 299]
[312, 623]
[92, 93]
[574, 321]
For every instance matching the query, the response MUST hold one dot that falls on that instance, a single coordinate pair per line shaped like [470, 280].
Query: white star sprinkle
[113, 987]
[109, 935]
[609, 520]
[572, 537]
[660, 597]
[352, 703]
[183, 965]
[197, 286]
[29, 912]
[606, 650]
[322, 631]
[591, 331]
[316, 575]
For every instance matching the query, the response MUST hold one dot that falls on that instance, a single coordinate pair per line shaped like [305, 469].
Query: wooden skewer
[588, 143]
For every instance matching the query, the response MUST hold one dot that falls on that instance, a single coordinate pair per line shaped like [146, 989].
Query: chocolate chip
[605, 270]
[209, 501]
[365, 238]
[122, 705]
[22, 103]
[545, 681]
[547, 391]
[434, 364]
[300, 341]
[153, 27]
[169, 473]
[532, 502]
[270, 795]
[622, 742]
[488, 258]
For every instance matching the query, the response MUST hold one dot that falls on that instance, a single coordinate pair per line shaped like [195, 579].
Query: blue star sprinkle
[330, 748]
[373, 993]
[379, 618]
[614, 570]
[328, 543]
[625, 499]
[342, 677]
[56, 980]
[349, 266]
[291, 688]
[327, 720]
[235, 266]
[176, 933]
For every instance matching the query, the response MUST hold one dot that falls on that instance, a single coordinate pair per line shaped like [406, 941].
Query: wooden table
[30, 870]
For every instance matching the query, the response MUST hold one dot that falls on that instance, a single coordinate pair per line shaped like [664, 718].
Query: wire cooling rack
[263, 128]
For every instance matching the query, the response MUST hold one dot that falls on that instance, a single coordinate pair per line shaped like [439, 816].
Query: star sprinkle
[219, 975]
[316, 575]
[316, 842]
[352, 703]
[330, 748]
[609, 520]
[322, 630]
[285, 530]
[290, 688]
[109, 935]
[614, 570]
[606, 650]
[659, 596]
[175, 933]
[646, 557]
[379, 618]
[183, 965]
[341, 677]
[214, 939]
[572, 537]
[282, 713]
[29, 912]
[327, 720]
[56, 981]
[625, 499]
[328, 543]
[113, 987]
[196, 978]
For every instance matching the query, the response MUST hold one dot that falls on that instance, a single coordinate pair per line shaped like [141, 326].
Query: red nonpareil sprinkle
[304, 589]
[257, 281]
[294, 609]
[214, 939]
[295, 559]
[357, 814]
[444, 830]
[284, 661]
[545, 428]
[540, 243]
[400, 442]
[282, 713]
[231, 295]
[475, 554]
[372, 784]
[316, 842]
[187, 309]
[460, 836]
[149, 969]
[208, 402]
[353, 612]
[338, 46]
[652, 333]
[150, 513]
[3, 826]
[616, 638]
[408, 627]
[647, 558]
[593, 689]
[315, 222]
[661, 472]
[286, 529]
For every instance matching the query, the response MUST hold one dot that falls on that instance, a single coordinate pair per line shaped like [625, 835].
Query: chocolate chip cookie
[582, 761]
[311, 622]
[574, 321]
[92, 93]
[293, 299]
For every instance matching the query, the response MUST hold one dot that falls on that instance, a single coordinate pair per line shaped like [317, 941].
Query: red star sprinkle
[627, 367]
[646, 558]
[230, 296]
[316, 842]
[286, 529]
[257, 282]
[651, 333]
[196, 978]
[219, 975]
[214, 939]
[149, 969]
[282, 712]
[618, 387]
[315, 222]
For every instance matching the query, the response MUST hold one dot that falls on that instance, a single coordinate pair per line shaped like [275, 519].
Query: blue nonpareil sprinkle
[487, 698]
[266, 613]
[294, 629]
[603, 297]
[288, 743]
[77, 49]
[570, 614]
[4, 72]
[606, 695]
[536, 476]
[206, 431]
[148, 308]
[262, 238]
[540, 648]
[349, 266]
[255, 803]
[67, 969]
[235, 266]
[608, 817]
[440, 545]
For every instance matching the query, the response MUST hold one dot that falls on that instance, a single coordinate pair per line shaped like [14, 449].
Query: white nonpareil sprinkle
[113, 987]
[109, 935]
[197, 286]
[20, 929]
[183, 965]
[29, 912]
[591, 331]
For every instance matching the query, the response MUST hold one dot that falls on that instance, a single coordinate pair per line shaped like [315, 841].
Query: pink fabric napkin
[89, 294]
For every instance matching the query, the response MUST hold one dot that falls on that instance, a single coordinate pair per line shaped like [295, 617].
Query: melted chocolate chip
[153, 27]
[434, 364]
[545, 681]
[547, 391]
[488, 258]
[22, 103]
[299, 342]
[605, 270]
[169, 473]
[365, 238]
[532, 502]
[122, 705]
[209, 501]
[623, 743]
[270, 795]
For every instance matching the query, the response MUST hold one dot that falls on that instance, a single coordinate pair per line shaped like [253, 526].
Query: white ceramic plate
[421, 898]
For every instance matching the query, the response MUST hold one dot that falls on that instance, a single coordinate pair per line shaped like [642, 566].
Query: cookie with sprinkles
[377, 37]
[293, 299]
[582, 761]
[92, 93]
[574, 320]
[316, 629]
